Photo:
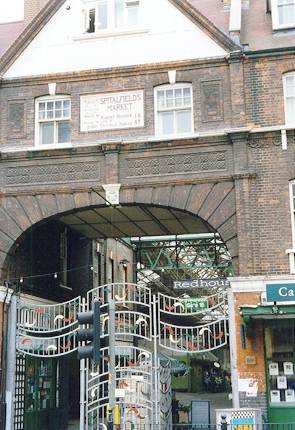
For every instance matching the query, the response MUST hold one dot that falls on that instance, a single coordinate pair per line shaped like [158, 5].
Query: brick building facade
[231, 167]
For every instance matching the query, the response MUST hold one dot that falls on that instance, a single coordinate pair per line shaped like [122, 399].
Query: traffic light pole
[112, 362]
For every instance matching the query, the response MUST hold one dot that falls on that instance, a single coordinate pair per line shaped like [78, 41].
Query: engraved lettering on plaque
[112, 111]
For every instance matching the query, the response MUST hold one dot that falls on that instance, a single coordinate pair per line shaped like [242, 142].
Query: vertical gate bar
[82, 384]
[112, 355]
[155, 337]
[233, 348]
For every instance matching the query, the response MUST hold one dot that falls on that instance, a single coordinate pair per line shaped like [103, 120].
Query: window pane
[58, 113]
[119, 13]
[66, 104]
[161, 100]
[286, 14]
[64, 132]
[58, 104]
[91, 21]
[169, 98]
[166, 121]
[290, 114]
[183, 122]
[132, 15]
[102, 15]
[187, 96]
[42, 111]
[290, 86]
[178, 97]
[47, 133]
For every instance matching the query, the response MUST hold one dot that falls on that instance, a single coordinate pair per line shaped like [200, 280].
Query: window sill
[176, 136]
[289, 29]
[110, 33]
[53, 146]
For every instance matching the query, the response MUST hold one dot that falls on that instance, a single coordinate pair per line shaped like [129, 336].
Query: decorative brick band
[177, 164]
[52, 173]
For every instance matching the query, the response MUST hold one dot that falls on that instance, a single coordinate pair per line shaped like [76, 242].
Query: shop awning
[249, 312]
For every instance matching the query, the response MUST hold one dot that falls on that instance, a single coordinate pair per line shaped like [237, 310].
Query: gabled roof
[53, 6]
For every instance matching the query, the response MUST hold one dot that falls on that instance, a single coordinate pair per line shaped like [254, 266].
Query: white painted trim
[275, 17]
[103, 34]
[172, 76]
[257, 284]
[235, 15]
[285, 76]
[52, 88]
[112, 193]
[5, 293]
[165, 87]
[284, 139]
[37, 123]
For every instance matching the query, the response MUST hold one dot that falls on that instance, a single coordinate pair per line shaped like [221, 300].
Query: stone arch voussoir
[213, 202]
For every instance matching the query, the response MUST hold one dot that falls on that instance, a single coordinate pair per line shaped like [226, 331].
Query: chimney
[32, 8]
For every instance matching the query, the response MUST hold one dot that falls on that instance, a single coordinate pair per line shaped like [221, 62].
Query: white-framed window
[174, 109]
[291, 252]
[53, 120]
[283, 14]
[110, 15]
[289, 98]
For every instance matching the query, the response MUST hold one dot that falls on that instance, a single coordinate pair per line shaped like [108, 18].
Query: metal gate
[130, 382]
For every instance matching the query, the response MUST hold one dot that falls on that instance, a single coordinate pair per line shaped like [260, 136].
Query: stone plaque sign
[112, 111]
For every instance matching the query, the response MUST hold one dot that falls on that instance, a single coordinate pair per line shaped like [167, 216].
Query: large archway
[175, 209]
[141, 211]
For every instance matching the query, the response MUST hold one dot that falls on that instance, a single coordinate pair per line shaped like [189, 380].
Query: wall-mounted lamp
[124, 262]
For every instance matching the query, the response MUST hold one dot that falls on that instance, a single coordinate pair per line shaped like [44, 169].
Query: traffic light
[90, 335]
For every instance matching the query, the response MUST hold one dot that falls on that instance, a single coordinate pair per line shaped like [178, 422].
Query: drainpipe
[235, 20]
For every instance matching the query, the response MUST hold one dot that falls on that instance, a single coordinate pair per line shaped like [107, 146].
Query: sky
[11, 10]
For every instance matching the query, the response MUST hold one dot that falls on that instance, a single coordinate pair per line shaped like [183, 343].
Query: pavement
[73, 425]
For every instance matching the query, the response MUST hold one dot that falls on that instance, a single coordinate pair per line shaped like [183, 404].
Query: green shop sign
[280, 292]
[194, 304]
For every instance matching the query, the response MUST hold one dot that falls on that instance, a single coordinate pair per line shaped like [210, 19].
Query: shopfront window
[280, 346]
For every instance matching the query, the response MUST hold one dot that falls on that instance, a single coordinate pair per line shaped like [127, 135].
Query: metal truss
[184, 257]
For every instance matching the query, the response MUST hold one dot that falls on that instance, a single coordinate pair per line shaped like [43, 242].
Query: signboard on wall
[284, 292]
[194, 304]
[111, 111]
[188, 284]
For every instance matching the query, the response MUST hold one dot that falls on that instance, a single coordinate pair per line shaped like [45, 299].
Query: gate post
[11, 363]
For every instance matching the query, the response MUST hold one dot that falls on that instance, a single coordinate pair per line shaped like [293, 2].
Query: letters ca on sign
[111, 111]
